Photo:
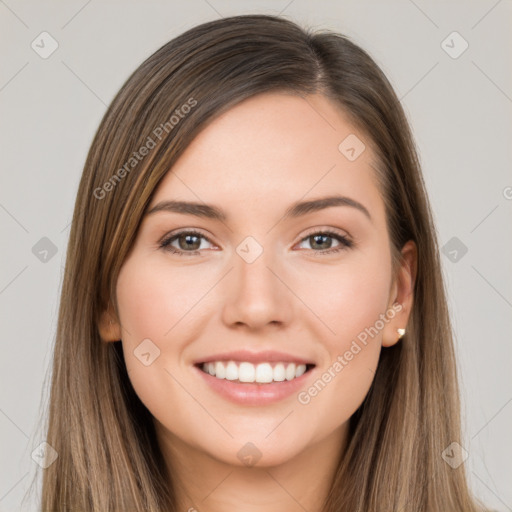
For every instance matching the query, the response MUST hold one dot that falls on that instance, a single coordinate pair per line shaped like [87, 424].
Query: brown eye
[188, 242]
[322, 241]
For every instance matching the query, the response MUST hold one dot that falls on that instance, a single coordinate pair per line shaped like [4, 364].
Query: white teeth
[279, 372]
[264, 373]
[231, 371]
[220, 371]
[248, 372]
[300, 370]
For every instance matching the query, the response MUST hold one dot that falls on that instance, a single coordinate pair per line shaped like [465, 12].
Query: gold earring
[401, 332]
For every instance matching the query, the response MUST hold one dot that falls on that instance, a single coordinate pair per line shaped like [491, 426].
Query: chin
[252, 452]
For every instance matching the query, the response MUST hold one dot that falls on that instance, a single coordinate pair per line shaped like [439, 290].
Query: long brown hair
[108, 457]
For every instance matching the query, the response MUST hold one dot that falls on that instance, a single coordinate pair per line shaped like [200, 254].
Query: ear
[402, 293]
[108, 326]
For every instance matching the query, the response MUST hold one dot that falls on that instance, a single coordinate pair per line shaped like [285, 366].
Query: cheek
[347, 298]
[351, 300]
[153, 304]
[164, 305]
[340, 389]
[345, 377]
[155, 300]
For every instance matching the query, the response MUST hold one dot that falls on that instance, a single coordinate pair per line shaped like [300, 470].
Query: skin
[253, 162]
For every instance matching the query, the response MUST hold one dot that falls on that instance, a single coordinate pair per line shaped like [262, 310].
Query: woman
[253, 315]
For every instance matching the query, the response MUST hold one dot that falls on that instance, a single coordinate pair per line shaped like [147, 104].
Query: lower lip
[253, 393]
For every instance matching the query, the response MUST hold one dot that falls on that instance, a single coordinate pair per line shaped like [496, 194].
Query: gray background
[460, 113]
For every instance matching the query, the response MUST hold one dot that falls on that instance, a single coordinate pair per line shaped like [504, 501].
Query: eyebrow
[295, 210]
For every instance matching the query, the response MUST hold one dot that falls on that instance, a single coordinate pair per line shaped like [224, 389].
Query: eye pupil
[323, 237]
[187, 244]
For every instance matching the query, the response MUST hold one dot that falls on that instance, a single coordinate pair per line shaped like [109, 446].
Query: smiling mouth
[261, 373]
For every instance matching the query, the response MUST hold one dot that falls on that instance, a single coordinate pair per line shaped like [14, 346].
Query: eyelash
[345, 243]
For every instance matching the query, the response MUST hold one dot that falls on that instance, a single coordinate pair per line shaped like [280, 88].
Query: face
[304, 285]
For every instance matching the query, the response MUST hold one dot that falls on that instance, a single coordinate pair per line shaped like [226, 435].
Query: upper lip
[255, 357]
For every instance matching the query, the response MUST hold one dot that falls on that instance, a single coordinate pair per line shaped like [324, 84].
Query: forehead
[272, 150]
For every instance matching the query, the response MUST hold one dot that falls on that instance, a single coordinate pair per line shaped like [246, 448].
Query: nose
[256, 294]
